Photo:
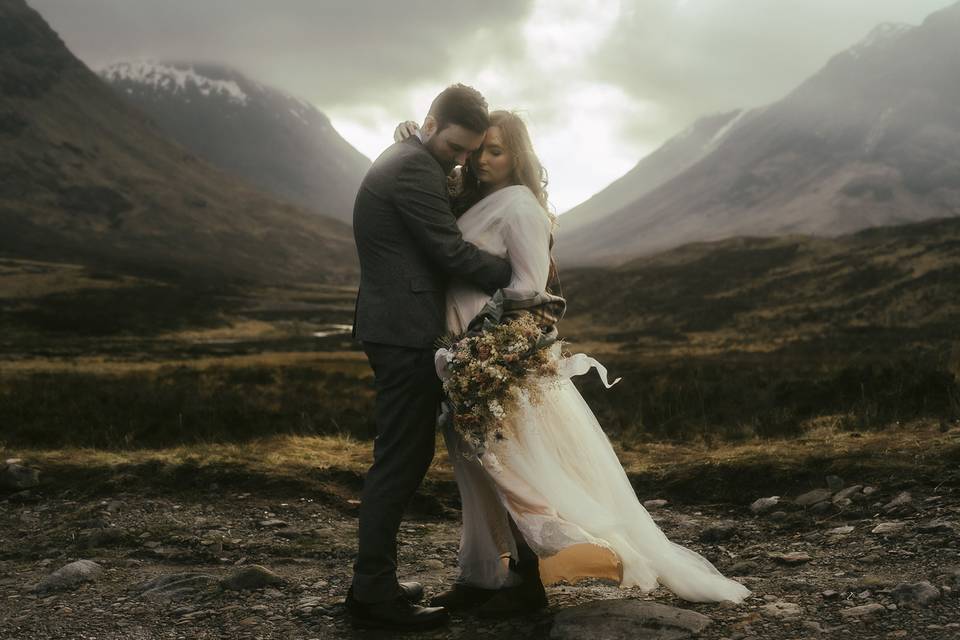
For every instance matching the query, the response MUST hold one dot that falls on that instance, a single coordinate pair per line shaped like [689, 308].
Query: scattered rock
[835, 483]
[650, 505]
[311, 606]
[863, 611]
[830, 594]
[627, 619]
[19, 477]
[812, 625]
[899, 503]
[914, 595]
[104, 538]
[888, 527]
[272, 523]
[718, 532]
[763, 505]
[870, 581]
[781, 609]
[848, 493]
[433, 563]
[841, 531]
[792, 557]
[70, 576]
[250, 577]
[935, 526]
[813, 497]
[822, 507]
[952, 578]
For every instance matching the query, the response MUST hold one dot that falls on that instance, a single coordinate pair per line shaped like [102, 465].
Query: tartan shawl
[546, 308]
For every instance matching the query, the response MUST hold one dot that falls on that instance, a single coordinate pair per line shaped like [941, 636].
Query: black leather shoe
[525, 598]
[398, 614]
[461, 597]
[412, 591]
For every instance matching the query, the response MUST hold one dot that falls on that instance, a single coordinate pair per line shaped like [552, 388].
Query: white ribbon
[579, 364]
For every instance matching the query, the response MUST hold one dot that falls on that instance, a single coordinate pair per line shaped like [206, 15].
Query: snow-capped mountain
[87, 177]
[278, 142]
[881, 35]
[871, 139]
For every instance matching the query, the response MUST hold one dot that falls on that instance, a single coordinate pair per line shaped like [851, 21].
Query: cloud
[600, 82]
[335, 51]
[577, 121]
[697, 57]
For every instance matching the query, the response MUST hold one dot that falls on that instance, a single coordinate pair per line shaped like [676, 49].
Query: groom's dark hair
[462, 105]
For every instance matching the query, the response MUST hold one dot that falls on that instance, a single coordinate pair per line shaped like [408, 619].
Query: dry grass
[918, 443]
[30, 279]
[281, 455]
[920, 446]
[351, 362]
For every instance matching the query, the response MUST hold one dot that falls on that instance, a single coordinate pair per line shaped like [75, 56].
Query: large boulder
[251, 577]
[627, 620]
[18, 477]
[914, 595]
[70, 576]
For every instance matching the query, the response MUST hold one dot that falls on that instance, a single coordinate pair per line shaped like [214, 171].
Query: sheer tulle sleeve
[527, 239]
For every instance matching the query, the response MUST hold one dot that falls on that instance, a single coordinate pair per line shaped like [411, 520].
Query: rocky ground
[127, 559]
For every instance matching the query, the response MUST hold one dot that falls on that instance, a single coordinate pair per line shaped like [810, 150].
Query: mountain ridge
[278, 142]
[85, 176]
[872, 138]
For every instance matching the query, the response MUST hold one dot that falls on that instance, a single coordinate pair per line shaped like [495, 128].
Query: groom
[409, 246]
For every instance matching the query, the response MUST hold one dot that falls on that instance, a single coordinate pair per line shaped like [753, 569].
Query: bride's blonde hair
[527, 171]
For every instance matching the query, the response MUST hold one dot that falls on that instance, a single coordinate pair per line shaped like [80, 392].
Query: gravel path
[216, 562]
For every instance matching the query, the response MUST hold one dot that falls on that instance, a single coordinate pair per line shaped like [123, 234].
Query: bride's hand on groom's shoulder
[404, 130]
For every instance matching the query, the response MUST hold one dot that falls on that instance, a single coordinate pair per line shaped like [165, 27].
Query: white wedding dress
[555, 473]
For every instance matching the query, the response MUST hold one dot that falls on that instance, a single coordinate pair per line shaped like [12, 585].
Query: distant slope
[674, 156]
[84, 176]
[874, 288]
[279, 143]
[871, 139]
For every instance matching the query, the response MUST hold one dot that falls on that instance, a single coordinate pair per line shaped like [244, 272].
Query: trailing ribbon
[579, 364]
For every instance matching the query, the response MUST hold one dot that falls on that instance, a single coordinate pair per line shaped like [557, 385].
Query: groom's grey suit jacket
[409, 246]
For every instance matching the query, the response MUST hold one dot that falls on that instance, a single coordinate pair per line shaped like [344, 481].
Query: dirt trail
[807, 566]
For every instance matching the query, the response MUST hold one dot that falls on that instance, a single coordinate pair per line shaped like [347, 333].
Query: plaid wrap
[545, 307]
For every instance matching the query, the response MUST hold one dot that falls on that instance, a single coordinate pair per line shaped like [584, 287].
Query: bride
[550, 501]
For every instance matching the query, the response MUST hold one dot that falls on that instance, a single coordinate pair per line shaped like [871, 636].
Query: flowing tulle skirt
[557, 476]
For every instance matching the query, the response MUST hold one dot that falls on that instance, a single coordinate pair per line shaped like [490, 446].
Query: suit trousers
[408, 396]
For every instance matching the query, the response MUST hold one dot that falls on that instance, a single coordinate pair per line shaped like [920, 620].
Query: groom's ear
[429, 127]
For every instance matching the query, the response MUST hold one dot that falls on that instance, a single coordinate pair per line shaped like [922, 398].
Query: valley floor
[288, 504]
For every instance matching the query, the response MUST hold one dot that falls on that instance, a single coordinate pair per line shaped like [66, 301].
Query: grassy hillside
[760, 335]
[728, 340]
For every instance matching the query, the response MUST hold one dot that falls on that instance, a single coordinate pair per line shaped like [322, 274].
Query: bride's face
[493, 162]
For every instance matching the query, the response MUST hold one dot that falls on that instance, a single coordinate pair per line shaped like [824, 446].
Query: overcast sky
[600, 82]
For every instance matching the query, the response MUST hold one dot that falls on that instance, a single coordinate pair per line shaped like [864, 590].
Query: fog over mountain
[601, 83]
[279, 143]
[676, 154]
[872, 139]
[87, 177]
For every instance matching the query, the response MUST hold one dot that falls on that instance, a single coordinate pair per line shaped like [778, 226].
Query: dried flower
[489, 370]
